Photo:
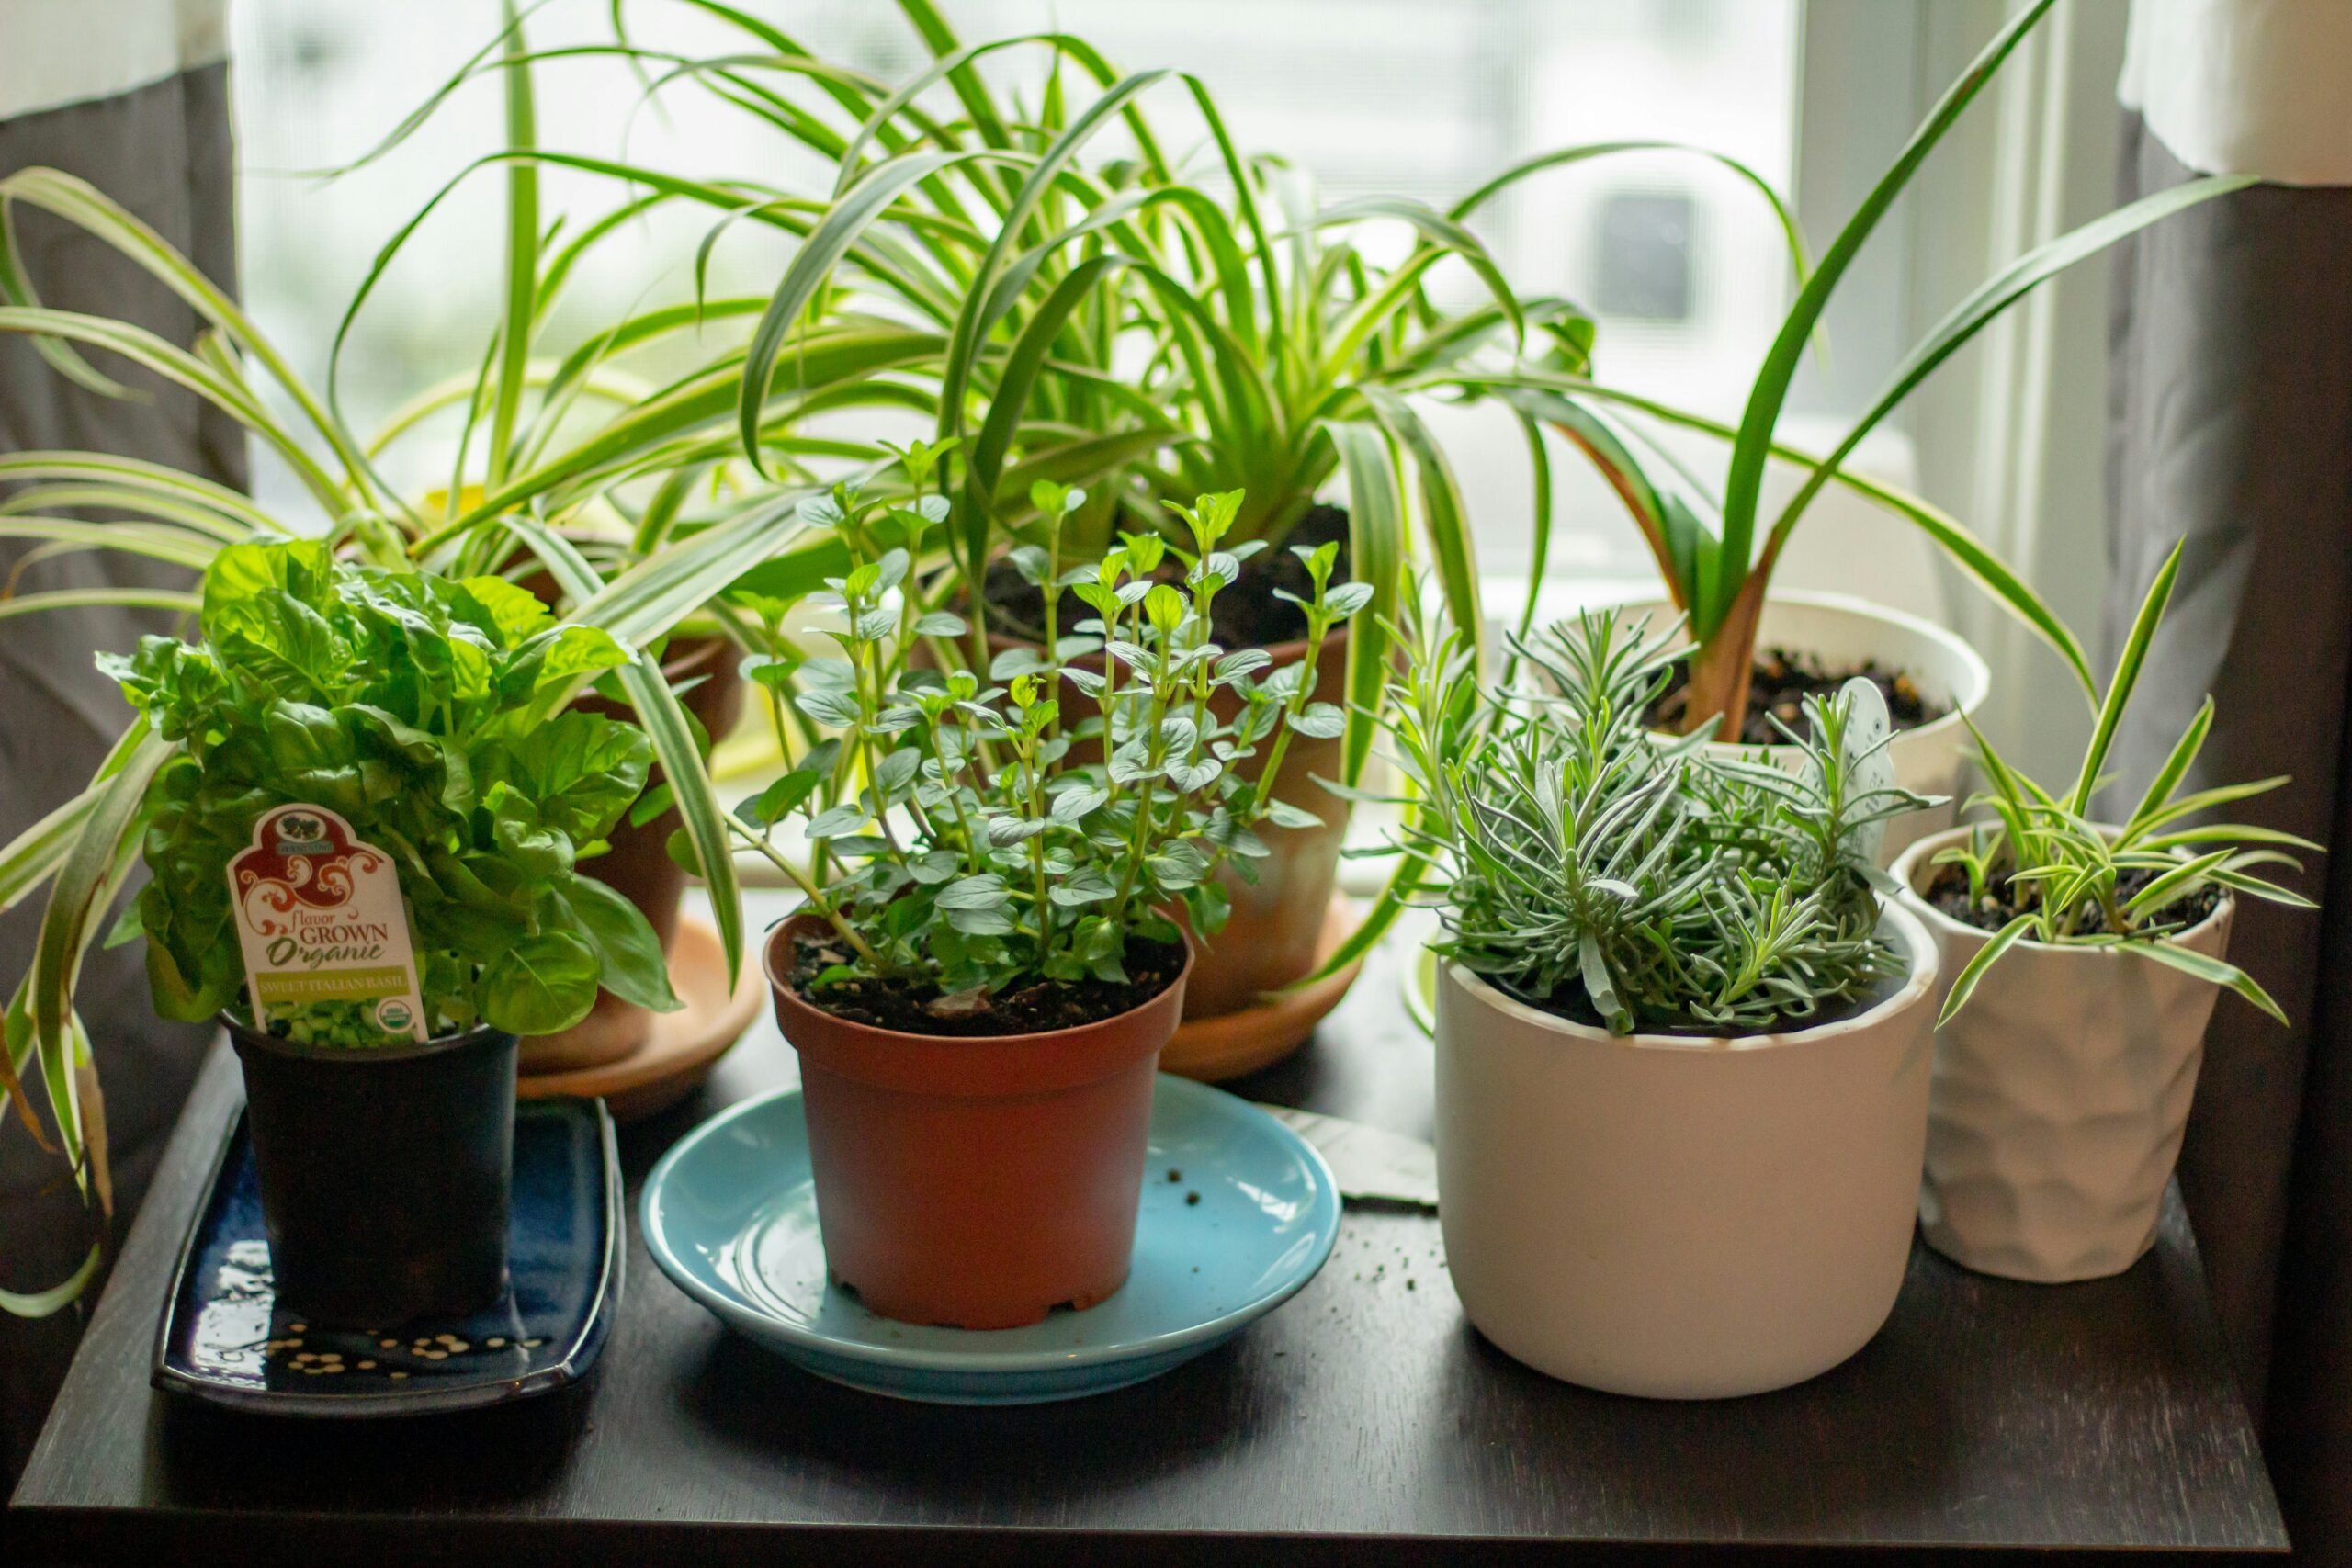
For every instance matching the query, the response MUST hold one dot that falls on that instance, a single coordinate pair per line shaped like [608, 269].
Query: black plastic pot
[385, 1173]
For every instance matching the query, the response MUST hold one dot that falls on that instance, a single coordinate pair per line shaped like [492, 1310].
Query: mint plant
[430, 712]
[977, 829]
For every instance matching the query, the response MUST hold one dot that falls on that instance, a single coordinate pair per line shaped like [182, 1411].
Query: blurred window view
[1682, 262]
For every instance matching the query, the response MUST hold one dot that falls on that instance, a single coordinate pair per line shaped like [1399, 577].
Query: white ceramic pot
[2061, 1093]
[1838, 629]
[1675, 1217]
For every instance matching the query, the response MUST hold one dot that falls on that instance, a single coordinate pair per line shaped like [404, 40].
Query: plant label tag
[325, 932]
[1869, 766]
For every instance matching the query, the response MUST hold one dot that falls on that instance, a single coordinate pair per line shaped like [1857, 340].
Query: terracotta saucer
[679, 1053]
[1214, 1049]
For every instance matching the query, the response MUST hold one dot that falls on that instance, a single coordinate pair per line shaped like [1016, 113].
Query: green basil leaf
[542, 984]
[631, 964]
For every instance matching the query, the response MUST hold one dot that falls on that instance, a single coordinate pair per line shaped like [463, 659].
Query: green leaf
[983, 892]
[522, 248]
[1441, 232]
[1963, 984]
[1320, 721]
[856, 208]
[1742, 491]
[629, 959]
[1444, 518]
[1987, 303]
[1088, 885]
[580, 770]
[2007, 589]
[1376, 555]
[676, 745]
[516, 615]
[2127, 676]
[1282, 813]
[542, 984]
[41, 1304]
[2214, 970]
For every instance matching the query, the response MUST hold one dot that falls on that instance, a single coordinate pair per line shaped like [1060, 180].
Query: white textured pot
[1838, 628]
[2061, 1093]
[1676, 1217]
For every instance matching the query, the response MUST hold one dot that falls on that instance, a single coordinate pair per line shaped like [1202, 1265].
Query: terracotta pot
[1840, 629]
[639, 866]
[1681, 1217]
[1271, 938]
[975, 1182]
[2062, 1092]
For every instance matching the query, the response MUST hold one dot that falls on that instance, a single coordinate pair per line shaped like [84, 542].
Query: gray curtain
[163, 151]
[2230, 396]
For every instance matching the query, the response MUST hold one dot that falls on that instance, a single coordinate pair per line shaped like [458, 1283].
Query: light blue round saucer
[730, 1216]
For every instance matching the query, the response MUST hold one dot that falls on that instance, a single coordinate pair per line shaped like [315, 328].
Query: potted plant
[1755, 654]
[2085, 960]
[363, 804]
[980, 991]
[1114, 323]
[1681, 1044]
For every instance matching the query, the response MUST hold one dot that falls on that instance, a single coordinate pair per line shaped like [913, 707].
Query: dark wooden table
[1366, 1422]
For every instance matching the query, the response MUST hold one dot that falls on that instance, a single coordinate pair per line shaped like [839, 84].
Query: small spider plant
[2076, 881]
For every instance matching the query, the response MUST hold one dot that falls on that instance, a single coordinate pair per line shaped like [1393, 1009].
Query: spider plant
[1072, 310]
[1117, 318]
[2075, 882]
[1716, 550]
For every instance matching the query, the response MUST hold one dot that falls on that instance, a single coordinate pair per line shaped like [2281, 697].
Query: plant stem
[817, 901]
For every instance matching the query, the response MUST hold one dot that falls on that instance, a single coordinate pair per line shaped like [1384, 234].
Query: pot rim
[786, 995]
[1914, 858]
[1918, 990]
[1977, 686]
[360, 1056]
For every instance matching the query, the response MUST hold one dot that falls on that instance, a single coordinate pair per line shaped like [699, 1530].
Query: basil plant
[428, 712]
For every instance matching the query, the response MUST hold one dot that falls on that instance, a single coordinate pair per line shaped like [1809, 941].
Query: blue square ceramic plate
[1251, 1214]
[226, 1340]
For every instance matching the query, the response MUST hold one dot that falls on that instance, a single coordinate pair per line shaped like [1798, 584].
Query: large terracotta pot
[1277, 923]
[2062, 1092]
[976, 1182]
[639, 866]
[1837, 629]
[1681, 1217]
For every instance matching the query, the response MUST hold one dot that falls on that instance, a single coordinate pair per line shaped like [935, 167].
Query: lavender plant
[1594, 869]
